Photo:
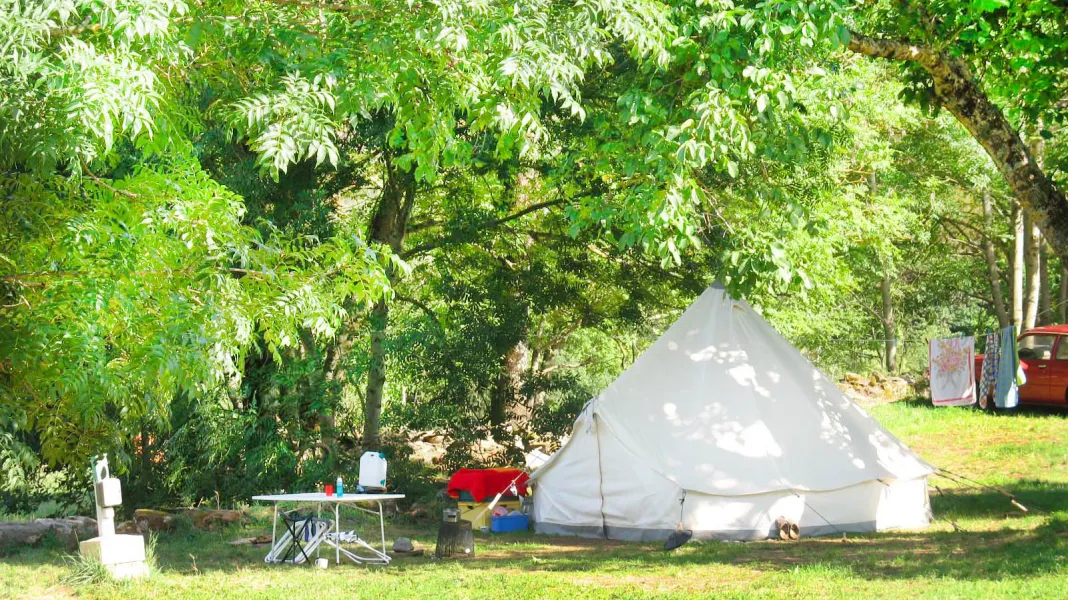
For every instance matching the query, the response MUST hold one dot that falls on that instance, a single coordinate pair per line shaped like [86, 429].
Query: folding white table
[336, 538]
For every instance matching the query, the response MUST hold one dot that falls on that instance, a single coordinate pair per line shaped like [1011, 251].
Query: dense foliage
[241, 241]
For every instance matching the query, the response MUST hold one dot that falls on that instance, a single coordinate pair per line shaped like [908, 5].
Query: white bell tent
[723, 426]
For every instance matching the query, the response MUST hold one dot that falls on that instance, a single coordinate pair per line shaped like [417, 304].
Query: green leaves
[291, 125]
[1018, 47]
[152, 285]
[78, 77]
[989, 5]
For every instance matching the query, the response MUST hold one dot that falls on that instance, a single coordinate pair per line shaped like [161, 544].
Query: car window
[1036, 346]
[1062, 350]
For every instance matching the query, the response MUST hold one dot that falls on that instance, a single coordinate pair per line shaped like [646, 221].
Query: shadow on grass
[45, 553]
[961, 503]
[992, 555]
[1036, 410]
[964, 555]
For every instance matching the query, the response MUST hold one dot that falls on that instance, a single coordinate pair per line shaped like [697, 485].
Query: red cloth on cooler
[486, 483]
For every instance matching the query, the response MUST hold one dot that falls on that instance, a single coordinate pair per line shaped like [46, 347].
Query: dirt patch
[553, 547]
[59, 592]
[724, 579]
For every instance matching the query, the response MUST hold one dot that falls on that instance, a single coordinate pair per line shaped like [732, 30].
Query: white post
[105, 513]
[123, 555]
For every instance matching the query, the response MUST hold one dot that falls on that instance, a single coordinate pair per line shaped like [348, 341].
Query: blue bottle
[340, 487]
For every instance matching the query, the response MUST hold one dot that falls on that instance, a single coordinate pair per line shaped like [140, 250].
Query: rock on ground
[210, 519]
[148, 520]
[67, 532]
[876, 389]
[403, 544]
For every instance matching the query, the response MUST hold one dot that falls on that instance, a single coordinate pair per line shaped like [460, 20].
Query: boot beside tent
[722, 426]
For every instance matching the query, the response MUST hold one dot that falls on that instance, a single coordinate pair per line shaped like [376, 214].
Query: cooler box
[509, 523]
[470, 511]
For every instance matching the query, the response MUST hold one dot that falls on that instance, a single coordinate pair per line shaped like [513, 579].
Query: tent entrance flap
[600, 473]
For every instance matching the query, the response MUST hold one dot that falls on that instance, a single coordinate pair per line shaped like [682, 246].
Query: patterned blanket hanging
[952, 363]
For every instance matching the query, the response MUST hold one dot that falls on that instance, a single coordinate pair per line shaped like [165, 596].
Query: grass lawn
[994, 551]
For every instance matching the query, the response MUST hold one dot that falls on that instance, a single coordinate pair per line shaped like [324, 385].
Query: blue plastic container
[509, 523]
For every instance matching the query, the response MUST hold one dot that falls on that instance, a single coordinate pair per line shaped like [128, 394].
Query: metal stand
[365, 553]
[351, 537]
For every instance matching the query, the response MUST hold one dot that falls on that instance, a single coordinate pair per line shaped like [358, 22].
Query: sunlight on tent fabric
[743, 432]
[745, 375]
[754, 441]
[713, 352]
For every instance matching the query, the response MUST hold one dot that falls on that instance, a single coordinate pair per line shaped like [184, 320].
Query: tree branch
[870, 310]
[336, 6]
[41, 278]
[957, 90]
[421, 306]
[903, 50]
[107, 185]
[556, 367]
[448, 239]
[424, 225]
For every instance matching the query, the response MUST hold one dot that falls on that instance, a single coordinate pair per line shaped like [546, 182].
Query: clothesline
[878, 340]
[924, 340]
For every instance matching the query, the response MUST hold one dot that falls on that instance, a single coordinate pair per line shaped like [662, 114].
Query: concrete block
[115, 549]
[130, 570]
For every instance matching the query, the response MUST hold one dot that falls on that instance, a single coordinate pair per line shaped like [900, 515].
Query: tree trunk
[1017, 271]
[387, 227]
[334, 372]
[889, 336]
[506, 403]
[887, 318]
[1062, 297]
[993, 273]
[1033, 240]
[1045, 300]
[376, 376]
[958, 91]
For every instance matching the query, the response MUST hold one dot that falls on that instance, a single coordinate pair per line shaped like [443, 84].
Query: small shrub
[151, 558]
[183, 525]
[48, 509]
[85, 570]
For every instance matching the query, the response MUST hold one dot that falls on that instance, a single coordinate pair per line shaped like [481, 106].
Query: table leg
[382, 528]
[318, 515]
[337, 532]
[274, 525]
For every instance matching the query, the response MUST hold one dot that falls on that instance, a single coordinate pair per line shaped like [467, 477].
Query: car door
[1036, 355]
[1057, 392]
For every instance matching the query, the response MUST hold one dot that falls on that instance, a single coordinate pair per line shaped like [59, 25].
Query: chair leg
[298, 533]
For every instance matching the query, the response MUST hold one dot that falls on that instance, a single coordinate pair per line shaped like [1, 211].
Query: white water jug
[373, 471]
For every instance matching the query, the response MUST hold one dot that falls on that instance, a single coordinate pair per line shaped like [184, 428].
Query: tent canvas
[723, 426]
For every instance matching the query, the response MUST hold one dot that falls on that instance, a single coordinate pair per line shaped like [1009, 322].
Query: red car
[1044, 356]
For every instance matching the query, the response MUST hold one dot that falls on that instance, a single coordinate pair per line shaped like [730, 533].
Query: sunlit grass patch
[979, 546]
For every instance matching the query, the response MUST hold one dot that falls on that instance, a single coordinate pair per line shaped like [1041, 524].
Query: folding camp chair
[302, 537]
